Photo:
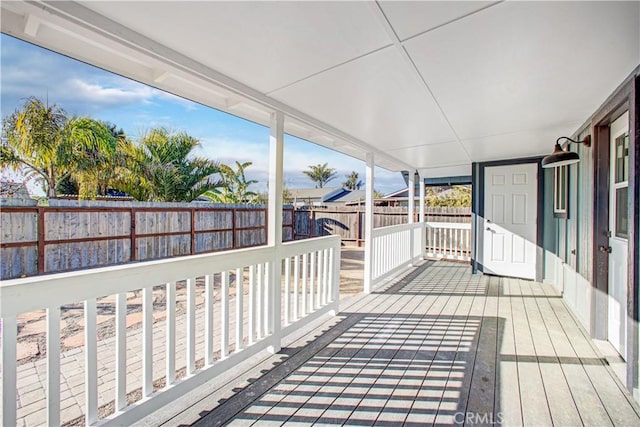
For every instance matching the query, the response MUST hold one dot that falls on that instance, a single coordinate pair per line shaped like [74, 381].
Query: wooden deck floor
[441, 346]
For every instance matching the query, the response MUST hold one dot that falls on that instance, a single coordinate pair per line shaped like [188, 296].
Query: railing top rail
[381, 231]
[34, 293]
[450, 225]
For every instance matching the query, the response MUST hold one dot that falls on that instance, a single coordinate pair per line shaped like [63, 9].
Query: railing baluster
[224, 312]
[327, 276]
[312, 274]
[91, 362]
[121, 351]
[296, 281]
[147, 340]
[171, 333]
[319, 280]
[191, 326]
[259, 298]
[266, 293]
[287, 290]
[9, 375]
[208, 314]
[53, 366]
[252, 304]
[304, 284]
[239, 307]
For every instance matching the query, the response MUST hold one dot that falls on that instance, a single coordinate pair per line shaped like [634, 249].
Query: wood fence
[348, 222]
[73, 235]
[38, 240]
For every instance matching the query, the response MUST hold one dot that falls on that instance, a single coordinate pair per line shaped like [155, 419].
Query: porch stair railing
[289, 285]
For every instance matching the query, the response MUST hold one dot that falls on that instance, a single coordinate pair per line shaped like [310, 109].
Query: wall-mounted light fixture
[561, 157]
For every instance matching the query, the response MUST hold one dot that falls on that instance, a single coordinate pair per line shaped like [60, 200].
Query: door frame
[477, 209]
[625, 98]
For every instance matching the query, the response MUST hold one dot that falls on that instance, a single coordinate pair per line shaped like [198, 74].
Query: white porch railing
[447, 240]
[273, 307]
[395, 248]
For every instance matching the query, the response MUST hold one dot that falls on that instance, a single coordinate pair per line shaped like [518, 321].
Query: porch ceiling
[426, 85]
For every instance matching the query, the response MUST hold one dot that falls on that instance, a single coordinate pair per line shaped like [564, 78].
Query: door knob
[605, 249]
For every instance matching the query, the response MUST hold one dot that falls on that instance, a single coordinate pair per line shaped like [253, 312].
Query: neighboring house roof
[398, 193]
[315, 194]
[14, 190]
[326, 195]
[349, 196]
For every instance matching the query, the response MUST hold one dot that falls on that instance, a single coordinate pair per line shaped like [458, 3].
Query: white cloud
[109, 95]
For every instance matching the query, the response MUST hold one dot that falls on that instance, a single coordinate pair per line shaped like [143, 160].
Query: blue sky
[81, 89]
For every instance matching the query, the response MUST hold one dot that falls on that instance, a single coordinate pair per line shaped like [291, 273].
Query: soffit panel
[517, 66]
[409, 18]
[374, 99]
[436, 155]
[265, 45]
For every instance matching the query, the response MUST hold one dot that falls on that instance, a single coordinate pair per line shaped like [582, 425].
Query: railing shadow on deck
[416, 368]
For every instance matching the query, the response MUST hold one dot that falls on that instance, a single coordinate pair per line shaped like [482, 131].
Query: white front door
[619, 232]
[509, 225]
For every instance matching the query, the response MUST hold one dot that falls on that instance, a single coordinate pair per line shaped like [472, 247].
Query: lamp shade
[560, 157]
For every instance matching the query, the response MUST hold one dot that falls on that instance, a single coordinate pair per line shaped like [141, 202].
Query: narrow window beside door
[621, 186]
[560, 192]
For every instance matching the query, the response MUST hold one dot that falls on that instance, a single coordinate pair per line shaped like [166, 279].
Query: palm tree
[33, 142]
[48, 146]
[162, 168]
[236, 186]
[320, 174]
[93, 156]
[352, 182]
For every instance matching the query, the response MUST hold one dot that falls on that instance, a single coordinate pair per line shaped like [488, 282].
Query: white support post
[423, 237]
[411, 195]
[274, 233]
[368, 224]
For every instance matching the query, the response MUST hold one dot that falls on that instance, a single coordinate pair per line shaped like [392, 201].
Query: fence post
[234, 211]
[133, 251]
[41, 235]
[193, 231]
[358, 228]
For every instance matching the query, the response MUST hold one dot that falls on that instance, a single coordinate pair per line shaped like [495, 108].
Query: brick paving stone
[74, 341]
[33, 328]
[70, 413]
[100, 319]
[36, 385]
[36, 419]
[32, 396]
[26, 350]
[69, 401]
[134, 319]
[32, 315]
[31, 408]
[23, 381]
